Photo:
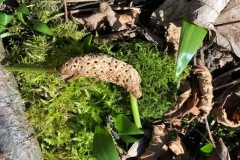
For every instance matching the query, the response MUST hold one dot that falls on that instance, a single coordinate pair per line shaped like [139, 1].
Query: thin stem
[29, 69]
[135, 111]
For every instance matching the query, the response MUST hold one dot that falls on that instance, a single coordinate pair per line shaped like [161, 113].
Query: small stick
[65, 10]
[226, 73]
[209, 133]
[228, 84]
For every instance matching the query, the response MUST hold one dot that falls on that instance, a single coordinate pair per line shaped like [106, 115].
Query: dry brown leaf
[206, 88]
[158, 144]
[117, 22]
[170, 11]
[227, 112]
[220, 153]
[177, 146]
[173, 37]
[225, 22]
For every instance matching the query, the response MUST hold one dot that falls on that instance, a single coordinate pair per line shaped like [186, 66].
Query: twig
[228, 84]
[226, 73]
[209, 133]
[65, 10]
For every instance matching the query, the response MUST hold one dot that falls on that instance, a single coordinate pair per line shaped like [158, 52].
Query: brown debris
[220, 153]
[206, 89]
[173, 37]
[104, 68]
[226, 108]
[196, 98]
[105, 13]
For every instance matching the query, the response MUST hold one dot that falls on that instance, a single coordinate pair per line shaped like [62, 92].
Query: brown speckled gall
[105, 68]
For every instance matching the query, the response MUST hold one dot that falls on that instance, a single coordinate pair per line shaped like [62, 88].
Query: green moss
[64, 114]
[157, 72]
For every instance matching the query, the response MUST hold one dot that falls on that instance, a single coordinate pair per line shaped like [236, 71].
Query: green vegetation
[65, 114]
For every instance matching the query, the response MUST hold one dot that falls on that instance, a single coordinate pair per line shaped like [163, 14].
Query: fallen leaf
[177, 146]
[158, 144]
[205, 86]
[173, 37]
[170, 11]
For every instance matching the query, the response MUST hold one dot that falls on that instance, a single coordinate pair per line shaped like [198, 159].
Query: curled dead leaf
[205, 87]
[220, 153]
[227, 112]
[177, 146]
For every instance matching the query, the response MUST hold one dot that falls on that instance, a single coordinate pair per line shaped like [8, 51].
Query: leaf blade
[190, 40]
[103, 145]
[125, 126]
[42, 27]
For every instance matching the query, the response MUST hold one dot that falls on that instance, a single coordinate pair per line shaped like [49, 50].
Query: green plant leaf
[125, 126]
[23, 9]
[87, 43]
[103, 145]
[190, 40]
[20, 18]
[1, 1]
[128, 139]
[42, 27]
[206, 149]
[5, 19]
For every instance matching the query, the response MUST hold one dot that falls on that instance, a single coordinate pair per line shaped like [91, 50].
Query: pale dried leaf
[206, 88]
[227, 112]
[228, 25]
[205, 12]
[177, 146]
[220, 153]
[170, 11]
[173, 37]
[158, 144]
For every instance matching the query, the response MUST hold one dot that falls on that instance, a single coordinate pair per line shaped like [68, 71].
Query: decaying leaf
[177, 146]
[223, 18]
[227, 111]
[104, 68]
[117, 22]
[158, 144]
[164, 145]
[173, 37]
[206, 89]
[220, 153]
[196, 98]
[170, 11]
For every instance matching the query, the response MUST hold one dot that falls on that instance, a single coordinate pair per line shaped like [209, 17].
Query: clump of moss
[64, 115]
[157, 71]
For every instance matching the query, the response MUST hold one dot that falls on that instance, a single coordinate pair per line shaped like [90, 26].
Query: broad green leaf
[23, 9]
[5, 19]
[20, 18]
[2, 27]
[206, 149]
[190, 41]
[103, 145]
[42, 27]
[128, 139]
[125, 126]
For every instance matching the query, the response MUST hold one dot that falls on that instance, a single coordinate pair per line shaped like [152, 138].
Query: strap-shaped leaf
[125, 126]
[5, 19]
[103, 145]
[42, 27]
[23, 9]
[190, 40]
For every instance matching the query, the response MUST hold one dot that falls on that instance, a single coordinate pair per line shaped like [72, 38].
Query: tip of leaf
[42, 27]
